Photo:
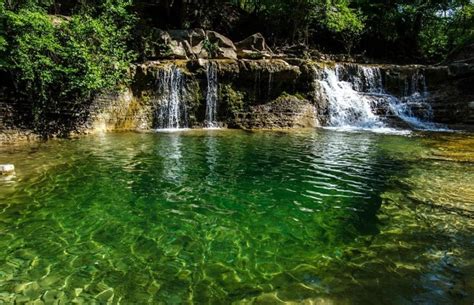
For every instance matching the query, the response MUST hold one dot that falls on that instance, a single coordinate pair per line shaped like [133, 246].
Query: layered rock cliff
[268, 93]
[283, 94]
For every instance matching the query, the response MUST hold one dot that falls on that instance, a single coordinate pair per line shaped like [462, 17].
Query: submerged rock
[7, 169]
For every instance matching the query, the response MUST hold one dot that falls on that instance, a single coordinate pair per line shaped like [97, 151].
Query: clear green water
[222, 217]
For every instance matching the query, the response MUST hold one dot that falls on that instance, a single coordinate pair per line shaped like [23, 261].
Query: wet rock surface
[284, 112]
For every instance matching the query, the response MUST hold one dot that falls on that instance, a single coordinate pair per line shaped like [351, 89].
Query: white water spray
[355, 95]
[346, 106]
[171, 110]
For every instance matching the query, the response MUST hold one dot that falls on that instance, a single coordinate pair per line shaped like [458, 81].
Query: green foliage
[420, 28]
[340, 17]
[286, 95]
[296, 20]
[60, 63]
[424, 28]
[212, 48]
[232, 99]
[344, 21]
[449, 30]
[3, 41]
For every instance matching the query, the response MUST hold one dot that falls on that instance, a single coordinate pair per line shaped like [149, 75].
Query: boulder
[254, 42]
[225, 46]
[178, 49]
[196, 37]
[190, 44]
[199, 51]
[253, 47]
[161, 44]
[220, 40]
[226, 53]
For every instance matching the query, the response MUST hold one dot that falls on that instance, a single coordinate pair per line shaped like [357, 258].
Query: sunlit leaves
[58, 61]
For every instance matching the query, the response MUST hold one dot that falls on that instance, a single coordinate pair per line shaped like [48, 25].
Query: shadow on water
[221, 216]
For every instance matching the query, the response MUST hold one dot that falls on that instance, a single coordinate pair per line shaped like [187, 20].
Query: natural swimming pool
[221, 216]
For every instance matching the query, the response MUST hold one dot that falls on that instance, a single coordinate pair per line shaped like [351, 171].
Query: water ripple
[220, 217]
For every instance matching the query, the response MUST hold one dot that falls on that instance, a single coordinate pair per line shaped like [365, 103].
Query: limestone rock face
[285, 112]
[449, 90]
[264, 93]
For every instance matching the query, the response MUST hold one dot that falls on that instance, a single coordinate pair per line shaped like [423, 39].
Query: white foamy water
[355, 94]
[346, 106]
[212, 96]
[171, 112]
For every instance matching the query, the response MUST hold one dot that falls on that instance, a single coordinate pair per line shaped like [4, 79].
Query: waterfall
[355, 98]
[212, 96]
[171, 112]
[347, 107]
[413, 107]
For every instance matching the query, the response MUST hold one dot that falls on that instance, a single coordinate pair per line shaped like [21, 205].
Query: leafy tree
[295, 20]
[448, 29]
[417, 29]
[344, 21]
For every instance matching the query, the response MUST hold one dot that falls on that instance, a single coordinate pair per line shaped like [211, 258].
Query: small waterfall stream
[171, 112]
[355, 95]
[212, 96]
[415, 100]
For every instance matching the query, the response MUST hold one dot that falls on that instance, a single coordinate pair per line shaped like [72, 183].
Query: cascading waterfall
[212, 96]
[413, 108]
[171, 110]
[346, 106]
[355, 94]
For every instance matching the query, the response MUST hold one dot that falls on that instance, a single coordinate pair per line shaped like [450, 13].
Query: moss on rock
[232, 101]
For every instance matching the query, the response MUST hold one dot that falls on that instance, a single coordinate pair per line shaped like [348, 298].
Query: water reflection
[169, 149]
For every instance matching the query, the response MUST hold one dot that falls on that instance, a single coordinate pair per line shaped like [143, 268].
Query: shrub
[58, 64]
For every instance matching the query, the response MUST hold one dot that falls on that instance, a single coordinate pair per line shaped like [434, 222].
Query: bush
[58, 64]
